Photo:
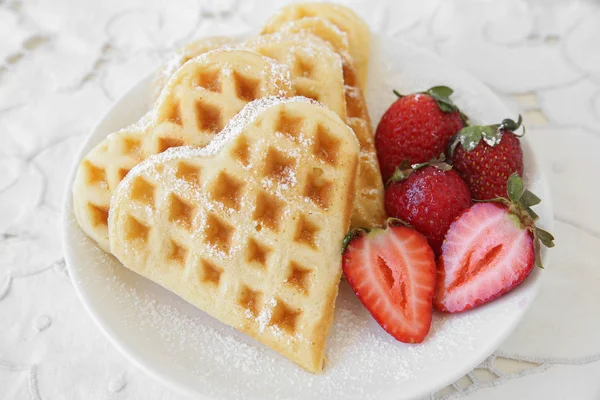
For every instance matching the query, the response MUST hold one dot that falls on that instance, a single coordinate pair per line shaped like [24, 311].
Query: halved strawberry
[489, 249]
[392, 272]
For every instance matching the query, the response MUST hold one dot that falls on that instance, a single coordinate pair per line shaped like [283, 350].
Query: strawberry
[429, 197]
[392, 272]
[489, 250]
[486, 164]
[417, 128]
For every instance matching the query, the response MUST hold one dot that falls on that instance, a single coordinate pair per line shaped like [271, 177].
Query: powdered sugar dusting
[296, 26]
[363, 362]
[177, 59]
[306, 44]
[266, 313]
[173, 339]
[233, 129]
[227, 364]
[278, 73]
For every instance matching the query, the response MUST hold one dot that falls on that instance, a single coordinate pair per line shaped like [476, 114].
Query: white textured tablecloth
[63, 62]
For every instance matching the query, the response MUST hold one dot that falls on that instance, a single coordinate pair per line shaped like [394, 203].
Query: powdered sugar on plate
[227, 364]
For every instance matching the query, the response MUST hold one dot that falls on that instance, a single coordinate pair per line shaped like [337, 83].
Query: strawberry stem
[405, 169]
[520, 201]
[392, 221]
[350, 236]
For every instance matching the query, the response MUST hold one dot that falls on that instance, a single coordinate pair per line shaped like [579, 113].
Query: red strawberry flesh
[392, 272]
[486, 253]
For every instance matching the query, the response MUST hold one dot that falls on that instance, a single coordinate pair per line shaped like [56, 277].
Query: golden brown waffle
[315, 68]
[197, 102]
[369, 210]
[344, 18]
[305, 45]
[183, 55]
[249, 228]
[321, 28]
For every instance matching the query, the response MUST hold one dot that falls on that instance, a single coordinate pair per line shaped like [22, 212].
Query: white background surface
[62, 63]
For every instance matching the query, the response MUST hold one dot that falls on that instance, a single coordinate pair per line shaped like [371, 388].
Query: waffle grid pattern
[369, 210]
[198, 101]
[315, 68]
[253, 237]
[191, 50]
[312, 38]
[344, 19]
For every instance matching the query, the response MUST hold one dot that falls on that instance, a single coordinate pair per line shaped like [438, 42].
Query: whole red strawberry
[429, 198]
[417, 128]
[487, 156]
[489, 250]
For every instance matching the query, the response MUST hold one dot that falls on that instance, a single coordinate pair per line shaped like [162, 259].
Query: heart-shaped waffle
[315, 68]
[343, 18]
[315, 50]
[202, 96]
[249, 228]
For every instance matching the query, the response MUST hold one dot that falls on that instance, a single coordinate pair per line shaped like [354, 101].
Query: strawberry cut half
[392, 271]
[487, 252]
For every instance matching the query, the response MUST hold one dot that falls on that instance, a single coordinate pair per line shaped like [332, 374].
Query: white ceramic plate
[182, 346]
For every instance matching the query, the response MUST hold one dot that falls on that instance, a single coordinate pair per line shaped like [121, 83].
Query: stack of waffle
[236, 190]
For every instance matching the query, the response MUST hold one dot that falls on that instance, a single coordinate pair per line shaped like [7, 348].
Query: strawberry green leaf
[400, 174]
[537, 251]
[469, 137]
[515, 218]
[515, 187]
[545, 237]
[529, 199]
[351, 236]
[510, 125]
[438, 163]
[491, 135]
[442, 91]
[520, 203]
[445, 107]
[405, 169]
[405, 164]
[441, 94]
[532, 214]
[501, 200]
[442, 166]
[397, 93]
